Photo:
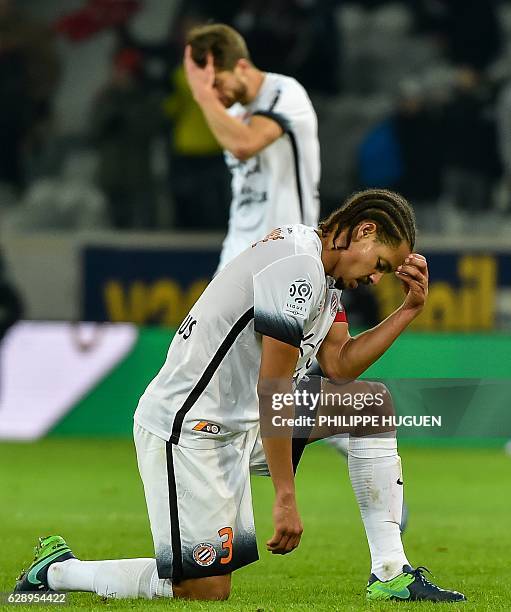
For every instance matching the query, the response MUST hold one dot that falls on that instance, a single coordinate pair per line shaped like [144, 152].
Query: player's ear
[242, 65]
[366, 229]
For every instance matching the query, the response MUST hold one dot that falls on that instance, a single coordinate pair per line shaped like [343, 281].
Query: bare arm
[243, 140]
[278, 362]
[344, 357]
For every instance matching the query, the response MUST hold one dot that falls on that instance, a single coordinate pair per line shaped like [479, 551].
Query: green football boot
[50, 549]
[411, 585]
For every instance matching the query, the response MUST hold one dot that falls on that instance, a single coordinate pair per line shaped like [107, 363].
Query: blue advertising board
[468, 291]
[144, 285]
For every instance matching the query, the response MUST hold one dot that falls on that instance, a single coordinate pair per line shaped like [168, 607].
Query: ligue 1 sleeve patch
[298, 298]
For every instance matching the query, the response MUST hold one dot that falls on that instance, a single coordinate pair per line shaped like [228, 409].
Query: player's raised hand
[200, 80]
[414, 275]
[288, 527]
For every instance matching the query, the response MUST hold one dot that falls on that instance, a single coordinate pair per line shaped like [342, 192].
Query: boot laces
[418, 572]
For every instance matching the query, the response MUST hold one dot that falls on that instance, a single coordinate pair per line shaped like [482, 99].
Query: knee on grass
[212, 588]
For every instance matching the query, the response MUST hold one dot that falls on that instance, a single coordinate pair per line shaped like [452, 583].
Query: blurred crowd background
[114, 195]
[99, 130]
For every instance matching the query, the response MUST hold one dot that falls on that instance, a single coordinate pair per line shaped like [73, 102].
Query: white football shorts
[199, 501]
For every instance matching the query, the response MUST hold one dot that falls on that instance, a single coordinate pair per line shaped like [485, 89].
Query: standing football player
[201, 425]
[268, 129]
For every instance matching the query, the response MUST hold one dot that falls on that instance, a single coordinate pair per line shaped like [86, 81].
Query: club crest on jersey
[204, 554]
[334, 304]
[275, 234]
[298, 298]
[207, 427]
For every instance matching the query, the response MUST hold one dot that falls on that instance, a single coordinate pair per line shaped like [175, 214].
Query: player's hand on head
[414, 276]
[200, 80]
[288, 527]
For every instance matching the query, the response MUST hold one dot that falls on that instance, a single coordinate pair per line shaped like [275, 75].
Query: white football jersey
[277, 288]
[280, 184]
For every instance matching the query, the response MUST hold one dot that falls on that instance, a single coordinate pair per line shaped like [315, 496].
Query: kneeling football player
[201, 427]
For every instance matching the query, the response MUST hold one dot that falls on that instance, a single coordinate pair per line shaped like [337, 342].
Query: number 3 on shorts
[227, 544]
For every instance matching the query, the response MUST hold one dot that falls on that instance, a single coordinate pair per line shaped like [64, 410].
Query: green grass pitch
[89, 492]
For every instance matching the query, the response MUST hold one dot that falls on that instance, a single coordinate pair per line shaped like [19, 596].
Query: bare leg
[211, 588]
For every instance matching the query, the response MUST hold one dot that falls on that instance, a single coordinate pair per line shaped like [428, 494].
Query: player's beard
[240, 94]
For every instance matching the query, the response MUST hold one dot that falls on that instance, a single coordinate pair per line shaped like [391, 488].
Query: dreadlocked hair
[390, 211]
